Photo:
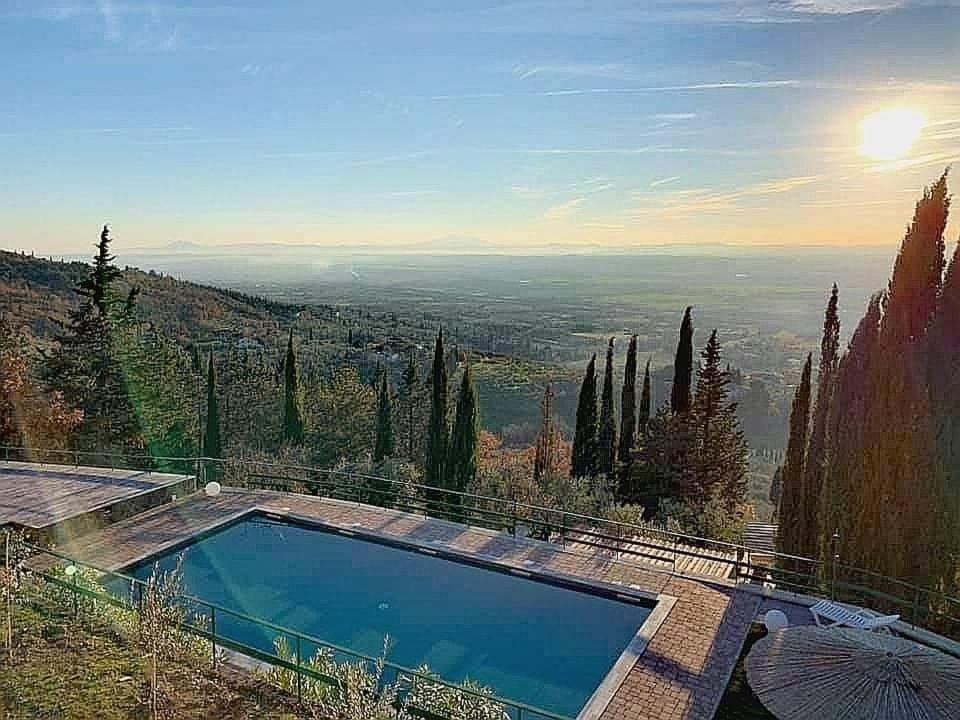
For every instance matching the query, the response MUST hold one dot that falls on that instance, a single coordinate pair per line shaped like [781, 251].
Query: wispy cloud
[578, 69]
[699, 201]
[565, 209]
[590, 186]
[641, 90]
[665, 181]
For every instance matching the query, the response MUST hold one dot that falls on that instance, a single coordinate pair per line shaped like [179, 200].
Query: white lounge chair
[827, 613]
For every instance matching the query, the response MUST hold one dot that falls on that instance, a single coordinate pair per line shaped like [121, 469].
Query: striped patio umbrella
[811, 673]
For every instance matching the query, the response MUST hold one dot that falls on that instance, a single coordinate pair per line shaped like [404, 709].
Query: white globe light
[212, 489]
[775, 620]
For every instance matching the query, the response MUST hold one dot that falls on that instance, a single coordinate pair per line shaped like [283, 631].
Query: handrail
[811, 581]
[216, 609]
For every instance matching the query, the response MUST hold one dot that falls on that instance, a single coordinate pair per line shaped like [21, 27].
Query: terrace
[704, 595]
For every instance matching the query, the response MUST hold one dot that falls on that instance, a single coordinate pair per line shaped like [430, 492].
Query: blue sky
[521, 126]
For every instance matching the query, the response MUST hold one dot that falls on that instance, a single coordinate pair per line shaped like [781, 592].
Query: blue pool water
[538, 643]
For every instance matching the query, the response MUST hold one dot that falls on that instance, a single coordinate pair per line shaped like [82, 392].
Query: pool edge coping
[610, 685]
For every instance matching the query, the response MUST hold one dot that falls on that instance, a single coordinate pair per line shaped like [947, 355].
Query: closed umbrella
[812, 673]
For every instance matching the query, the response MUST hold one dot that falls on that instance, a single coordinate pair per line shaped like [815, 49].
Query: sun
[889, 134]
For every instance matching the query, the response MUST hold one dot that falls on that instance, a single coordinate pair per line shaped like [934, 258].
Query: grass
[82, 668]
[739, 702]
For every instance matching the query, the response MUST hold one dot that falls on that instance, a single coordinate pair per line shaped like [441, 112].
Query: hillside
[37, 293]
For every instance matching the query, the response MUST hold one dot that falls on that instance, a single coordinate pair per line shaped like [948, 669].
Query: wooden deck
[680, 676]
[37, 496]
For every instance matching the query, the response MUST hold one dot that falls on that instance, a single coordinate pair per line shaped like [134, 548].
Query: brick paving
[680, 676]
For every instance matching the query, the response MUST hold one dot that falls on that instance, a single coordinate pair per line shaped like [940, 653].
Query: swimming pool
[541, 643]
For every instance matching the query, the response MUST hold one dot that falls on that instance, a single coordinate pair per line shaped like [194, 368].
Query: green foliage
[607, 427]
[628, 409]
[790, 531]
[584, 458]
[85, 366]
[814, 466]
[683, 367]
[646, 402]
[437, 430]
[292, 415]
[384, 445]
[341, 413]
[461, 466]
[212, 447]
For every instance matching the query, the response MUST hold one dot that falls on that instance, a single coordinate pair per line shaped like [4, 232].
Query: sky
[513, 126]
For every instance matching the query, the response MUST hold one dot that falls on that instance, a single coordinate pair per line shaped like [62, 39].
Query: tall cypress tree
[683, 367]
[814, 466]
[462, 465]
[211, 436]
[628, 409]
[607, 430]
[548, 440]
[411, 385]
[383, 445]
[292, 417]
[583, 460]
[437, 431]
[646, 402]
[790, 530]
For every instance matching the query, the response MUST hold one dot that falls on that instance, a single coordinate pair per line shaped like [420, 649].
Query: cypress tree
[411, 383]
[628, 409]
[211, 437]
[789, 531]
[548, 439]
[383, 446]
[847, 432]
[814, 466]
[437, 431]
[683, 367]
[607, 430]
[292, 417]
[462, 465]
[583, 460]
[643, 415]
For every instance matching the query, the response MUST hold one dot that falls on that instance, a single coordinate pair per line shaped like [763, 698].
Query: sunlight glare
[889, 134]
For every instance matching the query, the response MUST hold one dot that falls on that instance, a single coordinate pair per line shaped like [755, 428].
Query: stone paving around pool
[680, 676]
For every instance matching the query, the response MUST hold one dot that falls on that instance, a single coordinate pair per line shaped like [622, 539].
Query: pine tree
[814, 465]
[546, 458]
[211, 437]
[383, 447]
[721, 451]
[85, 366]
[789, 530]
[628, 409]
[646, 402]
[583, 459]
[683, 367]
[607, 429]
[437, 431]
[462, 465]
[292, 416]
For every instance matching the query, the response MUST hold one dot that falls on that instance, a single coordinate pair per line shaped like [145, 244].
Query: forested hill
[35, 293]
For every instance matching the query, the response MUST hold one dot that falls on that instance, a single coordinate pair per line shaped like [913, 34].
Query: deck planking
[37, 496]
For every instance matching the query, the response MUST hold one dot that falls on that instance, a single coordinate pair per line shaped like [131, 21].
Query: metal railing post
[213, 634]
[299, 674]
